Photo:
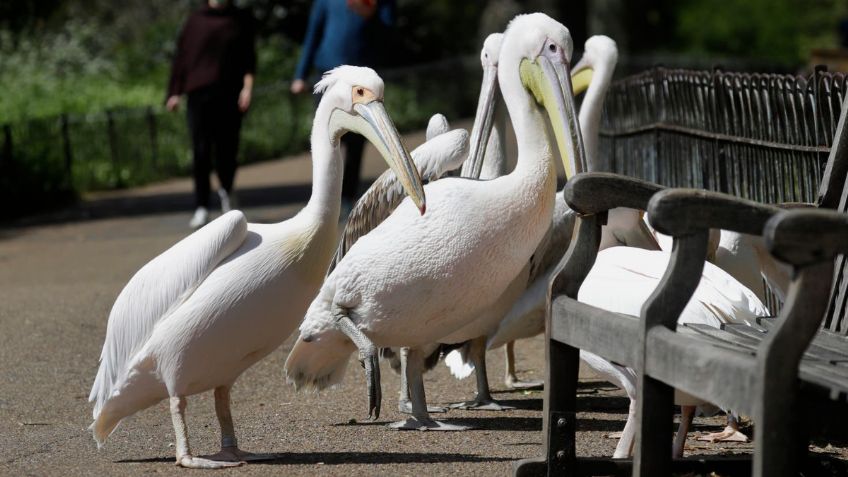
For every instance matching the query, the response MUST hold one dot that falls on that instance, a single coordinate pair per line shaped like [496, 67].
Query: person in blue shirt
[345, 32]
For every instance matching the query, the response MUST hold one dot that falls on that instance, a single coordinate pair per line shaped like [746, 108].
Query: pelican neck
[327, 169]
[534, 152]
[590, 116]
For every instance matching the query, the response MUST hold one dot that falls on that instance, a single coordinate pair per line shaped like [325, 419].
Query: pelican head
[354, 95]
[485, 105]
[538, 49]
[600, 54]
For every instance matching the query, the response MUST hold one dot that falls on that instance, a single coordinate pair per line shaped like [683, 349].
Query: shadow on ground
[137, 205]
[336, 458]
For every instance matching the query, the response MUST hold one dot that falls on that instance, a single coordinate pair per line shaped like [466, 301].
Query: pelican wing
[437, 126]
[624, 277]
[434, 158]
[158, 287]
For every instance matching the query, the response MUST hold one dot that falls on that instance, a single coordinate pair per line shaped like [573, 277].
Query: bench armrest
[595, 192]
[805, 237]
[679, 212]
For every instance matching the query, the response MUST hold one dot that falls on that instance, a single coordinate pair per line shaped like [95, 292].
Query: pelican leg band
[229, 441]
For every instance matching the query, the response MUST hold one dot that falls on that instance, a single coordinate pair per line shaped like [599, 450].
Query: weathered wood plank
[679, 212]
[611, 335]
[595, 192]
[695, 365]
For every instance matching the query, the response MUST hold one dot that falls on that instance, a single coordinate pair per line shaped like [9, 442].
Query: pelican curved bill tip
[383, 134]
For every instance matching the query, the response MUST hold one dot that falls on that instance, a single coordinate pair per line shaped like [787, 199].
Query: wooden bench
[758, 370]
[724, 156]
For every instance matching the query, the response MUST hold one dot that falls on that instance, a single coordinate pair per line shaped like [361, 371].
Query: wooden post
[113, 147]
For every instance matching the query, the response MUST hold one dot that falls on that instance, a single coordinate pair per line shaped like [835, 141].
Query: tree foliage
[775, 30]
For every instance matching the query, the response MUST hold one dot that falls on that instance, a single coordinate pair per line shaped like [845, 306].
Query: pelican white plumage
[198, 315]
[476, 232]
[593, 73]
[444, 151]
[634, 274]
[745, 257]
[439, 155]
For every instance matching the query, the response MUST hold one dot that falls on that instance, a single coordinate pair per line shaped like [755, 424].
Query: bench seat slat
[814, 368]
[824, 338]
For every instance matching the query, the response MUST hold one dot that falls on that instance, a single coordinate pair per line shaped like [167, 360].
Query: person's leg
[228, 128]
[201, 141]
[227, 142]
[201, 133]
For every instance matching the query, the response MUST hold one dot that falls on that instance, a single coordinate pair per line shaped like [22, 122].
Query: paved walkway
[59, 279]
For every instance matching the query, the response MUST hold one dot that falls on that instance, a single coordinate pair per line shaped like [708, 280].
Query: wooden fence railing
[765, 137]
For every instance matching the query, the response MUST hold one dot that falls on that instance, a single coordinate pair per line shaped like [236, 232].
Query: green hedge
[45, 164]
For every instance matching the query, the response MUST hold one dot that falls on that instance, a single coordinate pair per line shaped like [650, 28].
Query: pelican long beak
[483, 122]
[581, 76]
[373, 122]
[550, 82]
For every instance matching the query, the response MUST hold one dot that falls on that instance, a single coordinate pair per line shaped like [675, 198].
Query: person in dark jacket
[215, 66]
[345, 32]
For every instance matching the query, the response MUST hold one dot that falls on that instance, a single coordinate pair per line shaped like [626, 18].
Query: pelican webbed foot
[405, 406]
[512, 382]
[369, 358]
[482, 404]
[413, 423]
[192, 462]
[729, 434]
[510, 378]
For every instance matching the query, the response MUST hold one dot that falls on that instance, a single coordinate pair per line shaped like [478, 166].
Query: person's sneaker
[199, 219]
[228, 202]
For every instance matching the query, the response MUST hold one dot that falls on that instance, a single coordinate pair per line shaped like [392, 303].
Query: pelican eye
[360, 92]
[552, 47]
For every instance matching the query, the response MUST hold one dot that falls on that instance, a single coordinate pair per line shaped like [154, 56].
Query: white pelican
[444, 151]
[593, 73]
[746, 259]
[634, 274]
[198, 315]
[412, 280]
[439, 157]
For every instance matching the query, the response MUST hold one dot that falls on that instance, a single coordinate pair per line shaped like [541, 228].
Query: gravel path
[59, 279]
